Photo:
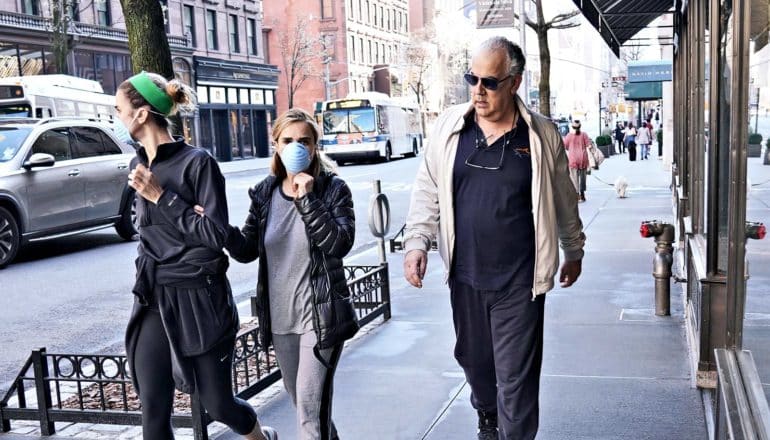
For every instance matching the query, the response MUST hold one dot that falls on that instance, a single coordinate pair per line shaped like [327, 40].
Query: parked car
[61, 176]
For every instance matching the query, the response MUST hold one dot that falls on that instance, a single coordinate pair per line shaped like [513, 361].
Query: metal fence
[397, 242]
[96, 388]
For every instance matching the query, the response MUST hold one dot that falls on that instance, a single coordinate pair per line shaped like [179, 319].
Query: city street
[73, 295]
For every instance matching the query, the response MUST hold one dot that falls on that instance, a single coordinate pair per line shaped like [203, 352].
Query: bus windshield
[15, 111]
[11, 139]
[349, 121]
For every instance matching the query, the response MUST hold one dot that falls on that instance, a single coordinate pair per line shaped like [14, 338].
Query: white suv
[61, 176]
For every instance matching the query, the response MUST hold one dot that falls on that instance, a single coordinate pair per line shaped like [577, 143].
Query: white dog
[621, 185]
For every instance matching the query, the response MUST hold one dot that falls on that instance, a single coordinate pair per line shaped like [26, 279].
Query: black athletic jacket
[329, 220]
[181, 266]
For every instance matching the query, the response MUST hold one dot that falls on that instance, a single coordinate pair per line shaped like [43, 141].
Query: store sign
[648, 72]
[494, 14]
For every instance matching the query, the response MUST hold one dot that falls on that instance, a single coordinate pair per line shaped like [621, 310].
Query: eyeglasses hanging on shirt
[481, 145]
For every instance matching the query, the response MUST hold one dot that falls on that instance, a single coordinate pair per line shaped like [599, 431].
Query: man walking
[494, 186]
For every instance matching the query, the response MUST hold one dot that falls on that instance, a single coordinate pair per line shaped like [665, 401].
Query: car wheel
[127, 225]
[9, 237]
[415, 151]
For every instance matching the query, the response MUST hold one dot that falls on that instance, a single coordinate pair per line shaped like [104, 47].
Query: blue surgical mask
[295, 157]
[122, 132]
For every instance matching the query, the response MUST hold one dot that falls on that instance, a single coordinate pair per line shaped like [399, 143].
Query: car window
[55, 142]
[90, 142]
[11, 139]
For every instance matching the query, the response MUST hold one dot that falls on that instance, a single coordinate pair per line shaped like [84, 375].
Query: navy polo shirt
[494, 227]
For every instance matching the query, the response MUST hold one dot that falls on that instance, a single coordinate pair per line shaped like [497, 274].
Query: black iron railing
[96, 388]
[397, 242]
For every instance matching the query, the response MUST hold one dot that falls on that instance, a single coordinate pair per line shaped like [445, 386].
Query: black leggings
[213, 380]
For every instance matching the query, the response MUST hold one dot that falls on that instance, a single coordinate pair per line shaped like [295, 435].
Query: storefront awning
[619, 20]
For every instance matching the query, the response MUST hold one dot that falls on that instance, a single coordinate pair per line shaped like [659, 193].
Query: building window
[374, 20]
[328, 43]
[361, 49]
[382, 17]
[352, 48]
[211, 29]
[188, 23]
[30, 7]
[234, 43]
[266, 46]
[369, 55]
[350, 9]
[327, 10]
[103, 12]
[388, 20]
[368, 12]
[251, 36]
[360, 11]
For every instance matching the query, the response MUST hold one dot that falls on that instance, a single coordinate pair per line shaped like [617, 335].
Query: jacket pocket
[338, 322]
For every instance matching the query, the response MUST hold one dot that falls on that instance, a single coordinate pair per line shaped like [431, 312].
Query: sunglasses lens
[471, 79]
[489, 83]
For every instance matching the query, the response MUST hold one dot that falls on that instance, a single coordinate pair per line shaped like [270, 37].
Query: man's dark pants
[500, 348]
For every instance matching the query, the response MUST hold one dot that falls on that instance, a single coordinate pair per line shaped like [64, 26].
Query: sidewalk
[611, 370]
[245, 165]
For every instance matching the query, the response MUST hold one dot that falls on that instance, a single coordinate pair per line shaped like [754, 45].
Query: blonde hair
[182, 97]
[319, 163]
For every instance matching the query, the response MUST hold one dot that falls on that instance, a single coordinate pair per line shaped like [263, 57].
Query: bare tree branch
[562, 17]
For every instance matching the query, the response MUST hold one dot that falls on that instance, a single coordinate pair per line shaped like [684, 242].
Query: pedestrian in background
[643, 139]
[577, 143]
[629, 138]
[300, 225]
[494, 186]
[619, 138]
[184, 320]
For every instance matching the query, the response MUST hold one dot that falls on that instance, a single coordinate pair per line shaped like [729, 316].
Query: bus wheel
[415, 151]
[388, 153]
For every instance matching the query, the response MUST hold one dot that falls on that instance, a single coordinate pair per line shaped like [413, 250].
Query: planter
[754, 150]
[606, 150]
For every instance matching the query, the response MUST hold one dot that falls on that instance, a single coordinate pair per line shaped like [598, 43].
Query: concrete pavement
[612, 369]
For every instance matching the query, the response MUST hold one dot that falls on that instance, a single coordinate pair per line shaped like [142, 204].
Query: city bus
[46, 96]
[370, 125]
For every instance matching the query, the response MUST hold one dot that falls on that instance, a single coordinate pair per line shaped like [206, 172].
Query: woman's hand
[145, 183]
[302, 184]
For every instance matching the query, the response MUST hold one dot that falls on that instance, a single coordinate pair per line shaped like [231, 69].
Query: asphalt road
[73, 294]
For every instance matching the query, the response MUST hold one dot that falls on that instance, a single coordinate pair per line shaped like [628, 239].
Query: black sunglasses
[489, 83]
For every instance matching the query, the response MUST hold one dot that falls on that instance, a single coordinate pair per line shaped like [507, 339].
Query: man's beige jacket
[554, 201]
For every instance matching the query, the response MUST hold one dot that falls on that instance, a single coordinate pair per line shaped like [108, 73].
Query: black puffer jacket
[329, 220]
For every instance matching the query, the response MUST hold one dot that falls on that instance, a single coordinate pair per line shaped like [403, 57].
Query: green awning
[644, 91]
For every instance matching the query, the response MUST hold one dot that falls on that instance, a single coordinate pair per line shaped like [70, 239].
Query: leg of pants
[574, 176]
[213, 381]
[581, 178]
[631, 151]
[152, 365]
[309, 383]
[499, 346]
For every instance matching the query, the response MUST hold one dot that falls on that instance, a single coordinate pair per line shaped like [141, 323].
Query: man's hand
[144, 182]
[415, 263]
[302, 184]
[570, 271]
[199, 210]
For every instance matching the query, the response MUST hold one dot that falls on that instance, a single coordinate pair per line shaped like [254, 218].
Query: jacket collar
[165, 151]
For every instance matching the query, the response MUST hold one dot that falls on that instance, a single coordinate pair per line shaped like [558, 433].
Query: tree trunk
[59, 36]
[545, 73]
[147, 39]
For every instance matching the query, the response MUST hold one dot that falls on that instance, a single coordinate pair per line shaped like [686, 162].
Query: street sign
[494, 14]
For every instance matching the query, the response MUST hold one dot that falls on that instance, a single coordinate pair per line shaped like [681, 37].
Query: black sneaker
[487, 425]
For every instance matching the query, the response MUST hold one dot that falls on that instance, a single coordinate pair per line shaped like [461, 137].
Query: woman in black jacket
[183, 325]
[301, 224]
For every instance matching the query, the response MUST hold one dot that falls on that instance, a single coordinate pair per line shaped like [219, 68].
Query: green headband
[151, 92]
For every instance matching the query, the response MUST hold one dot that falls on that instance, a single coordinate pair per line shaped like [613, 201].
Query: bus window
[65, 108]
[15, 111]
[86, 110]
[43, 112]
